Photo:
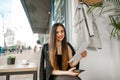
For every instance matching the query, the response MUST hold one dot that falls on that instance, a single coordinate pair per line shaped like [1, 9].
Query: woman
[55, 56]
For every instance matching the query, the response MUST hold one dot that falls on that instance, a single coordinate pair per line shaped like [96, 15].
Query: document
[77, 56]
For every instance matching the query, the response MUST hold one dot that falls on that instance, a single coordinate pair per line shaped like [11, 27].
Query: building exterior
[9, 37]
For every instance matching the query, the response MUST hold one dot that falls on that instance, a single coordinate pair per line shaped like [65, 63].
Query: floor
[30, 55]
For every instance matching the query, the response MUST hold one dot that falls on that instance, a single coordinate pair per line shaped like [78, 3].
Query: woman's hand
[74, 63]
[84, 54]
[71, 72]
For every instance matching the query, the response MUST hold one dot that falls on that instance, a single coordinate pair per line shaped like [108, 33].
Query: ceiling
[38, 15]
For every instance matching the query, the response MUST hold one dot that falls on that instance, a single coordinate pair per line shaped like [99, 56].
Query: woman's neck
[59, 48]
[58, 44]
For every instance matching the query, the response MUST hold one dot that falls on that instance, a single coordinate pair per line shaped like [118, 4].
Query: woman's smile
[60, 33]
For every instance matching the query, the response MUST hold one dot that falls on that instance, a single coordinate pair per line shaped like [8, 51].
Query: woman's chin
[60, 40]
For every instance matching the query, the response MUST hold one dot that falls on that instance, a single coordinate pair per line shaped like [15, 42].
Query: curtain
[85, 29]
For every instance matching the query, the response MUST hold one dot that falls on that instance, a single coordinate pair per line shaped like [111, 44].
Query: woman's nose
[60, 33]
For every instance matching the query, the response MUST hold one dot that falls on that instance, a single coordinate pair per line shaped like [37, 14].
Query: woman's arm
[69, 72]
[71, 54]
[83, 55]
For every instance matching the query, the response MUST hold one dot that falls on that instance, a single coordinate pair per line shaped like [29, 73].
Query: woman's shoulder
[45, 48]
[45, 44]
[71, 46]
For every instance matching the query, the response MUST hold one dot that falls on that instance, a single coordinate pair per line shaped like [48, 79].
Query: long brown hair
[53, 48]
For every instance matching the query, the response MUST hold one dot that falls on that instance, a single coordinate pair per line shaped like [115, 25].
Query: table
[17, 69]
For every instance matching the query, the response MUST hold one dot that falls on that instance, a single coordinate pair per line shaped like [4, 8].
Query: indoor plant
[116, 27]
[102, 6]
[106, 6]
[11, 59]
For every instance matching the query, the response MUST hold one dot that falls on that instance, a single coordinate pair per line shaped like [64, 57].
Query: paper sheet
[77, 56]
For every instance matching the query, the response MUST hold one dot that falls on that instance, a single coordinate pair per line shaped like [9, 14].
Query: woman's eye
[62, 31]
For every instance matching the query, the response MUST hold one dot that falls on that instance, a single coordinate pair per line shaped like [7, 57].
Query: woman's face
[60, 33]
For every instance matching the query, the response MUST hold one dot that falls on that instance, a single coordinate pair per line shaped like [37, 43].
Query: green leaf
[118, 25]
[107, 11]
[11, 56]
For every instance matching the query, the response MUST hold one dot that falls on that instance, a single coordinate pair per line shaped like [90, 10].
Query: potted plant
[116, 27]
[103, 6]
[113, 18]
[10, 59]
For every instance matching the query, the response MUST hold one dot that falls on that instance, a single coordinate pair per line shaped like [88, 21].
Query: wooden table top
[18, 67]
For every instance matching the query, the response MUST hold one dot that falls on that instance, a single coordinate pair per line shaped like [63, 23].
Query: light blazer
[45, 65]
